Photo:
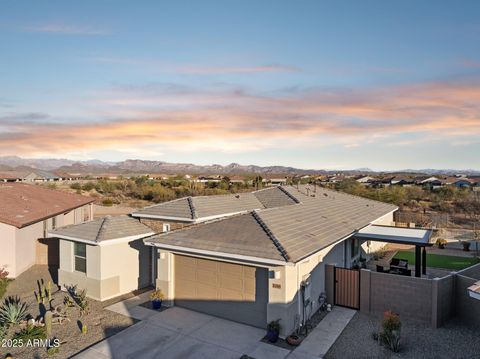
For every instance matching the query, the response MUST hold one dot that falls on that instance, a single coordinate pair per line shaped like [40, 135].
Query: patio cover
[400, 235]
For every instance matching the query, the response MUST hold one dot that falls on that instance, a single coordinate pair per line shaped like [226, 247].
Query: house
[41, 176]
[90, 252]
[250, 257]
[366, 180]
[27, 212]
[402, 181]
[265, 263]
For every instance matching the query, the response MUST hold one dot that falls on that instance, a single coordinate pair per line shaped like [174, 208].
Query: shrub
[13, 311]
[391, 326]
[30, 332]
[88, 186]
[77, 186]
[3, 331]
[441, 242]
[107, 202]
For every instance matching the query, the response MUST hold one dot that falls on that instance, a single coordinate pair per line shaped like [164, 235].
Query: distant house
[460, 182]
[402, 181]
[27, 212]
[41, 176]
[365, 180]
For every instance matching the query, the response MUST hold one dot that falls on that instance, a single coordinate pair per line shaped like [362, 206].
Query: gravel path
[418, 341]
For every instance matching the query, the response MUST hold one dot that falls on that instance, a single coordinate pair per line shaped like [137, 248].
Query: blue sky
[317, 84]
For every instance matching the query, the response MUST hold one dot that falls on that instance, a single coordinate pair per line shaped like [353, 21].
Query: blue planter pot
[156, 304]
[272, 336]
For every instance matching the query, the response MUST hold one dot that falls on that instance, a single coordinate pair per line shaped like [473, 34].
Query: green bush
[77, 186]
[88, 186]
[30, 332]
[107, 202]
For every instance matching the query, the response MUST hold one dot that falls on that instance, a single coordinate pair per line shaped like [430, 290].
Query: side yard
[78, 329]
[418, 340]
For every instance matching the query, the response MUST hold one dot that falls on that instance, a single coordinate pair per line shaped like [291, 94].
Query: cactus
[48, 318]
[84, 328]
[49, 291]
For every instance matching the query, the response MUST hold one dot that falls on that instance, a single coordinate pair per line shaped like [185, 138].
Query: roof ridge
[295, 199]
[192, 207]
[102, 229]
[274, 239]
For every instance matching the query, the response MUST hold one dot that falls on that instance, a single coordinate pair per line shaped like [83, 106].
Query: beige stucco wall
[26, 241]
[284, 290]
[112, 269]
[7, 252]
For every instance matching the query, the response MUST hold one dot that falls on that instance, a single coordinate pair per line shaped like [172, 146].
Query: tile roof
[321, 218]
[23, 204]
[198, 208]
[104, 229]
[274, 197]
[240, 235]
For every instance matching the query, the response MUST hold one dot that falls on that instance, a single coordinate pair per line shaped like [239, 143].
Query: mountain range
[148, 166]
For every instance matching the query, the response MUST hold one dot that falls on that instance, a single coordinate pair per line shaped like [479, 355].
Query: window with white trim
[80, 254]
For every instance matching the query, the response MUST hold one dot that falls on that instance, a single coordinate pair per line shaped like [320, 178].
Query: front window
[80, 253]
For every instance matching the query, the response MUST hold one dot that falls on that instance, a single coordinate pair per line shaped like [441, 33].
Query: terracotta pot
[294, 340]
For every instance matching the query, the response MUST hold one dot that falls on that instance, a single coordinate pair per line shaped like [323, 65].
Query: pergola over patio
[420, 238]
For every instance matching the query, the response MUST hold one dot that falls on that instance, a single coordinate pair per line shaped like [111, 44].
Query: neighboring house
[365, 180]
[12, 176]
[460, 182]
[402, 181]
[27, 212]
[105, 256]
[41, 176]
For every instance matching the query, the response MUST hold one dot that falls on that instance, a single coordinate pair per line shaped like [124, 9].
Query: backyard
[440, 261]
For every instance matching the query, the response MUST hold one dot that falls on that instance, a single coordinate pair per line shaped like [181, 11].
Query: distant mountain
[40, 163]
[136, 166]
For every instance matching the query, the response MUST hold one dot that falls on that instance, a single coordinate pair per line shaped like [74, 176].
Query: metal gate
[346, 287]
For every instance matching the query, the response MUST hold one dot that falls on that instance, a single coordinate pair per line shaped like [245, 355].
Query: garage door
[231, 291]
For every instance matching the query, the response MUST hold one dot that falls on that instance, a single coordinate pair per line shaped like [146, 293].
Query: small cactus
[49, 291]
[84, 328]
[48, 317]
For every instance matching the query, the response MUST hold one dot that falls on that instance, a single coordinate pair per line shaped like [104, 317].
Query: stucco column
[165, 275]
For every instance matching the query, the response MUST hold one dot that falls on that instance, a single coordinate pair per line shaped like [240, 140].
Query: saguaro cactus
[48, 318]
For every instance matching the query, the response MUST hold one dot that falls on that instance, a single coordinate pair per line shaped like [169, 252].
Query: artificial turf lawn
[439, 261]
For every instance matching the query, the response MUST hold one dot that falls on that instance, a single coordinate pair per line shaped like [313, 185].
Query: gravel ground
[101, 323]
[418, 340]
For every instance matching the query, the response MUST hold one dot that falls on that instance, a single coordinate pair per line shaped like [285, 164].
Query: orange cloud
[236, 120]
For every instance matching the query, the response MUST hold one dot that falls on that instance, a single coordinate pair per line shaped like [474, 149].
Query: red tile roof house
[243, 257]
[27, 212]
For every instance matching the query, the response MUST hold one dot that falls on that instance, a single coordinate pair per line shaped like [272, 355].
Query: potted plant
[294, 339]
[273, 330]
[156, 298]
[466, 246]
[441, 243]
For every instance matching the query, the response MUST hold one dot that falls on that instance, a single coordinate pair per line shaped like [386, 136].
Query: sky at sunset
[311, 84]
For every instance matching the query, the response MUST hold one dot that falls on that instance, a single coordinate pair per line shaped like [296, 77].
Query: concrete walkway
[324, 335]
[131, 307]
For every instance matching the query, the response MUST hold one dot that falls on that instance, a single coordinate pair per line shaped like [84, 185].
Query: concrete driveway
[181, 333]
